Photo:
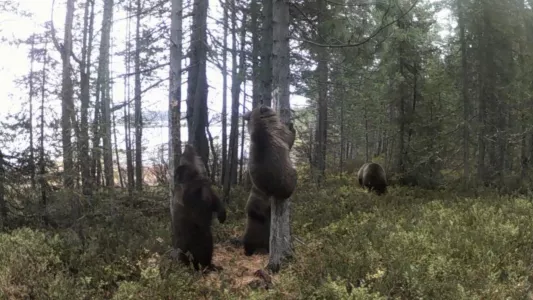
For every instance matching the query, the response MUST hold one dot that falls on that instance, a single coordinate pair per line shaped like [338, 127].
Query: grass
[408, 244]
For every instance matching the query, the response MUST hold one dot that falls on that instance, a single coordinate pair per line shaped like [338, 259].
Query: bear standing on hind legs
[193, 211]
[270, 166]
[372, 176]
[270, 170]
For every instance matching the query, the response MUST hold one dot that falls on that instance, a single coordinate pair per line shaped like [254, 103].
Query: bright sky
[17, 64]
[14, 63]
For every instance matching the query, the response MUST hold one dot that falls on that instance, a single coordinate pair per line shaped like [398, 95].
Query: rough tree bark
[197, 82]
[31, 92]
[174, 108]
[105, 96]
[280, 230]
[138, 112]
[241, 159]
[466, 102]
[237, 79]
[225, 95]
[322, 78]
[266, 55]
[130, 170]
[67, 102]
[256, 87]
[42, 164]
[85, 96]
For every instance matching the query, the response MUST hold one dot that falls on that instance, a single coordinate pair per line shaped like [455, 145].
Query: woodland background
[444, 104]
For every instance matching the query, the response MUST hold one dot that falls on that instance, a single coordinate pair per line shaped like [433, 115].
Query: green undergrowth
[349, 244]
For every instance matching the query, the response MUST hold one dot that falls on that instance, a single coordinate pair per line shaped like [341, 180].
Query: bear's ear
[247, 115]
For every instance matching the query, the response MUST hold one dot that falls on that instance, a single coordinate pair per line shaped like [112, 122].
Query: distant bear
[372, 176]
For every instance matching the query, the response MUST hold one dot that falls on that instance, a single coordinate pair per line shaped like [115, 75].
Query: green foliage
[350, 244]
[30, 267]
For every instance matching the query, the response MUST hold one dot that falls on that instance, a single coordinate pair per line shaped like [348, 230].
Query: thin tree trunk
[130, 170]
[85, 71]
[241, 163]
[197, 82]
[105, 94]
[280, 229]
[237, 78]
[466, 102]
[343, 138]
[42, 165]
[138, 112]
[367, 153]
[176, 36]
[256, 86]
[121, 180]
[266, 54]
[67, 102]
[214, 170]
[322, 78]
[32, 154]
[225, 94]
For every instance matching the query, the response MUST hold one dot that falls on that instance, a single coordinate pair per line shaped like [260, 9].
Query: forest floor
[408, 244]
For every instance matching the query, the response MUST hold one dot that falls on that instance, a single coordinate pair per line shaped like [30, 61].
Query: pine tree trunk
[130, 170]
[32, 154]
[225, 161]
[237, 78]
[256, 86]
[42, 164]
[322, 76]
[266, 54]
[85, 71]
[280, 229]
[105, 92]
[197, 82]
[138, 112]
[174, 109]
[241, 159]
[67, 102]
[466, 102]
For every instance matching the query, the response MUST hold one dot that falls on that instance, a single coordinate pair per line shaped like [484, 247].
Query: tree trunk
[241, 160]
[96, 170]
[322, 83]
[85, 71]
[481, 171]
[42, 164]
[121, 179]
[174, 109]
[129, 150]
[225, 94]
[266, 54]
[466, 102]
[107, 20]
[197, 82]
[67, 102]
[256, 86]
[280, 229]
[32, 154]
[138, 112]
[237, 79]
[130, 170]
